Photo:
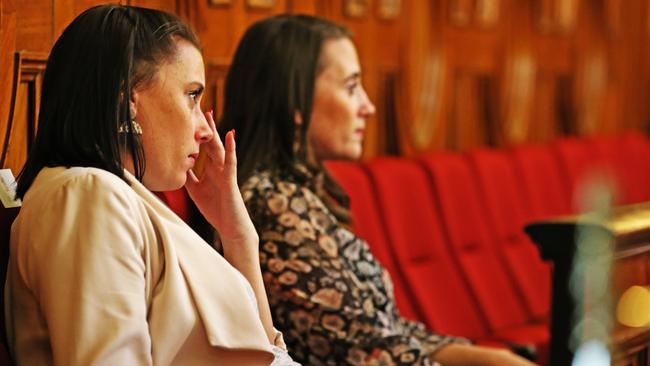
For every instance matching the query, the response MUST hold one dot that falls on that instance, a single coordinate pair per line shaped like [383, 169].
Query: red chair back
[501, 191]
[414, 231]
[367, 224]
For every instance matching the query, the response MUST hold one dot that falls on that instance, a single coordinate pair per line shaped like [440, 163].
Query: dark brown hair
[100, 57]
[272, 76]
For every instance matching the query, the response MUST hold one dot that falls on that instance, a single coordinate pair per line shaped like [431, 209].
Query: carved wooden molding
[355, 8]
[388, 9]
[217, 70]
[260, 4]
[557, 16]
[28, 68]
[483, 13]
[219, 2]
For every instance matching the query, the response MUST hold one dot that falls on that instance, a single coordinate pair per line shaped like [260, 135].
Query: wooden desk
[627, 230]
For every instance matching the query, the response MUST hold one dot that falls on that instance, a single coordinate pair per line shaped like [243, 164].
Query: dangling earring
[297, 143]
[130, 127]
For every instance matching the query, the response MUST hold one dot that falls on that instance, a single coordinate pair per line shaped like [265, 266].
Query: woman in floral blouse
[294, 97]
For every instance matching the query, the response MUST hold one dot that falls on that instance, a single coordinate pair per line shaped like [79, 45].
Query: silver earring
[130, 127]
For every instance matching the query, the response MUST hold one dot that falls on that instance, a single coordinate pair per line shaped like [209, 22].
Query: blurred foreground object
[616, 243]
[634, 307]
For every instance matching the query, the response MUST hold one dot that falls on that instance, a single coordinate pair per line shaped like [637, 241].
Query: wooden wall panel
[377, 41]
[464, 67]
[8, 47]
[221, 26]
[20, 130]
[444, 74]
[64, 11]
[170, 6]
[35, 25]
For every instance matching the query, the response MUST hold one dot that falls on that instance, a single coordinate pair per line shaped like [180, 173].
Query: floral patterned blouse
[329, 296]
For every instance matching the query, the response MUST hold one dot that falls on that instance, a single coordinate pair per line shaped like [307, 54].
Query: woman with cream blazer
[168, 311]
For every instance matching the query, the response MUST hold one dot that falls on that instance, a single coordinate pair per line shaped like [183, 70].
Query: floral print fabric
[329, 296]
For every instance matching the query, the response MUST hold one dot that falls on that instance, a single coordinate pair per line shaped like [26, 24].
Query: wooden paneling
[170, 6]
[21, 128]
[35, 25]
[221, 26]
[8, 46]
[444, 74]
[377, 41]
[64, 11]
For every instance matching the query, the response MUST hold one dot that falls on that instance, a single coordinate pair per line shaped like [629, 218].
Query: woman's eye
[195, 95]
[352, 88]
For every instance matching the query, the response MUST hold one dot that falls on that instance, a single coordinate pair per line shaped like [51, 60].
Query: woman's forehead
[339, 57]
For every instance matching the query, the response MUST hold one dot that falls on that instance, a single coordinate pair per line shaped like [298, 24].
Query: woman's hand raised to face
[217, 195]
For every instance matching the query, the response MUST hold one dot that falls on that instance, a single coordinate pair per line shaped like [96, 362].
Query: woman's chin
[163, 185]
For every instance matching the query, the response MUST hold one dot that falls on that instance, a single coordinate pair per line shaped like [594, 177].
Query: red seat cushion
[627, 157]
[177, 201]
[583, 167]
[545, 192]
[476, 252]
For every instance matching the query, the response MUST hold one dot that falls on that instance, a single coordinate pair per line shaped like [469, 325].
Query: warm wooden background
[445, 74]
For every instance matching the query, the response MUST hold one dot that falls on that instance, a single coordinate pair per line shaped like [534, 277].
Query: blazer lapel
[230, 318]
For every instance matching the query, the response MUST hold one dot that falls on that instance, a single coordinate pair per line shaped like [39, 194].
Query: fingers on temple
[231, 154]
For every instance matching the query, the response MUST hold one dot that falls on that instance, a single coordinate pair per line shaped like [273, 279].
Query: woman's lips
[192, 158]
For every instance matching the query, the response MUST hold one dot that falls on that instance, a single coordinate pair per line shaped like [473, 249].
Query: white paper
[8, 189]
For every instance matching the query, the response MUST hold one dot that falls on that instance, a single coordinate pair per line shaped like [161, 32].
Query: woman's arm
[466, 355]
[218, 198]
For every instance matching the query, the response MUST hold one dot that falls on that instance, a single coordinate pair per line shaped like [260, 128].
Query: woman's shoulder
[77, 177]
[77, 184]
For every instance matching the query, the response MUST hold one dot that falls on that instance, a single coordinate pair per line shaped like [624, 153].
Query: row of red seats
[448, 227]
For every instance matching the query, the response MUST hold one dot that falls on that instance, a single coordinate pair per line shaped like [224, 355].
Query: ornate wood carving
[215, 80]
[264, 4]
[483, 13]
[557, 16]
[23, 114]
[8, 46]
[355, 8]
[219, 2]
[388, 9]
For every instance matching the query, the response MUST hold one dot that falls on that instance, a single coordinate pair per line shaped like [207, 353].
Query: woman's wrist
[241, 249]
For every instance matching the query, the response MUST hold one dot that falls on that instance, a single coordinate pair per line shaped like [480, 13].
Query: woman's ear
[297, 118]
[133, 103]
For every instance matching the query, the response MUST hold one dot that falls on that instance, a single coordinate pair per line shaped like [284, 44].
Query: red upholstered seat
[501, 190]
[475, 251]
[178, 201]
[546, 193]
[414, 231]
[582, 166]
[367, 224]
[628, 157]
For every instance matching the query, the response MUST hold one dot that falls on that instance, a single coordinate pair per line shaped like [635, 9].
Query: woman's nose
[204, 132]
[367, 107]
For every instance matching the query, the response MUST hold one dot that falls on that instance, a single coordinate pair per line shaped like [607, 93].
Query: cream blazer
[103, 273]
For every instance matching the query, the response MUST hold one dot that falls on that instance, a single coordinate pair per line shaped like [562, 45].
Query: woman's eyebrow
[353, 76]
[198, 85]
